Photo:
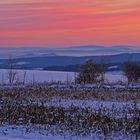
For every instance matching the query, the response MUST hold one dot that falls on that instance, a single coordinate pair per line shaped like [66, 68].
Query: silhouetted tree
[131, 71]
[89, 72]
[11, 72]
[102, 69]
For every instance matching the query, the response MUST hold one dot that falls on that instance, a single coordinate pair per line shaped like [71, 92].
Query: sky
[60, 23]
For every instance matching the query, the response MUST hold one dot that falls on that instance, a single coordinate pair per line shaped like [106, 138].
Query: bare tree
[102, 68]
[131, 71]
[11, 72]
[24, 77]
[33, 81]
[2, 78]
[89, 72]
[67, 80]
[75, 75]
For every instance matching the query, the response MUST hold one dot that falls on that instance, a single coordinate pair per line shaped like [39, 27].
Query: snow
[54, 76]
[22, 63]
[112, 67]
[91, 103]
[38, 76]
[115, 76]
[19, 133]
[121, 108]
[6, 138]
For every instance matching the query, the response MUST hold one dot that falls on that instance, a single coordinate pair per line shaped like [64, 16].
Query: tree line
[91, 72]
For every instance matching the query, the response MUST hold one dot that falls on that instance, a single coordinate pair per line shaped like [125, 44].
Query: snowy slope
[49, 76]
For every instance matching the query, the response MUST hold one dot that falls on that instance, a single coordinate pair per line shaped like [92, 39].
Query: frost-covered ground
[20, 133]
[93, 104]
[71, 114]
[116, 108]
[37, 76]
[50, 76]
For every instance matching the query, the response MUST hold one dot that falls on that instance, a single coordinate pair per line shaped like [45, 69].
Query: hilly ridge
[47, 61]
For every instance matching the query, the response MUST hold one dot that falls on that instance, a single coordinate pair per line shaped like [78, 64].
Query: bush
[131, 71]
[89, 72]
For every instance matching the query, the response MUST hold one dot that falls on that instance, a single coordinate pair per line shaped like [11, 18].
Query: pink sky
[69, 22]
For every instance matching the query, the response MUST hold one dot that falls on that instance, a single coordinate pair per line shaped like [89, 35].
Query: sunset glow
[58, 23]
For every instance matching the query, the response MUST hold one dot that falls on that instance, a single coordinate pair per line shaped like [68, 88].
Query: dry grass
[27, 106]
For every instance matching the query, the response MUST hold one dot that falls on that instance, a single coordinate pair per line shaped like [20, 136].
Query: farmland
[50, 105]
[69, 113]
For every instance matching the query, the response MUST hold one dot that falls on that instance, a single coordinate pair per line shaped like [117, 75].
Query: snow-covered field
[115, 76]
[106, 109]
[54, 76]
[19, 133]
[38, 75]
[68, 114]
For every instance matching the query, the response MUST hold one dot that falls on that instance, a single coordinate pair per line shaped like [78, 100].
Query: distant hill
[49, 61]
[86, 50]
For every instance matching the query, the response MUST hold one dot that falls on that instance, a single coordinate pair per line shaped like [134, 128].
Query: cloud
[69, 22]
